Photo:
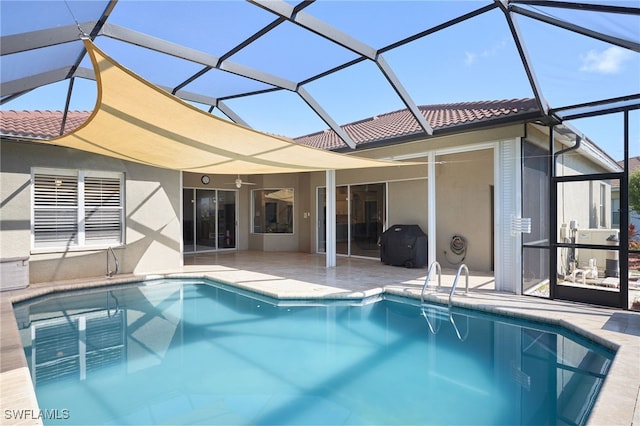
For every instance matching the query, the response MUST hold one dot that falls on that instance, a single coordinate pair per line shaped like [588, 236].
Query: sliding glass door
[209, 219]
[360, 218]
[367, 218]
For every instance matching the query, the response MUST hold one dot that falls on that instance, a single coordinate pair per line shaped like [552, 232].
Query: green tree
[634, 191]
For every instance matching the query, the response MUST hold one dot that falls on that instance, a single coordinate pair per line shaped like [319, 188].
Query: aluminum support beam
[231, 114]
[43, 38]
[524, 57]
[33, 82]
[330, 217]
[153, 43]
[194, 97]
[328, 32]
[313, 24]
[404, 95]
[326, 117]
[246, 42]
[86, 73]
[253, 74]
[126, 35]
[627, 44]
[212, 102]
[591, 7]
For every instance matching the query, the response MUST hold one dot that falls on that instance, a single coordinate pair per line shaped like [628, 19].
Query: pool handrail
[434, 330]
[455, 327]
[111, 273]
[116, 309]
[428, 278]
[436, 319]
[455, 281]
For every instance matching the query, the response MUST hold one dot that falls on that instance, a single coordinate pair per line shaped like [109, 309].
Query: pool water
[196, 352]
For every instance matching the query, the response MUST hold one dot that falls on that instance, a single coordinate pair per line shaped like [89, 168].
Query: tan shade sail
[136, 121]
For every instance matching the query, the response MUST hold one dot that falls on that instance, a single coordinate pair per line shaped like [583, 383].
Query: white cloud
[471, 57]
[609, 61]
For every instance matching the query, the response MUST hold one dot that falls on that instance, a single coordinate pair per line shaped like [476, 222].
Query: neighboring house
[63, 208]
[634, 216]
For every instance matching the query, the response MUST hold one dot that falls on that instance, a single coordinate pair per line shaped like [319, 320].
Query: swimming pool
[185, 351]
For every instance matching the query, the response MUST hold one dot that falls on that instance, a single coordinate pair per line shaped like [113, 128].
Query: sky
[476, 60]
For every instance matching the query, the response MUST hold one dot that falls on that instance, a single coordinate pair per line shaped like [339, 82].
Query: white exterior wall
[463, 182]
[153, 231]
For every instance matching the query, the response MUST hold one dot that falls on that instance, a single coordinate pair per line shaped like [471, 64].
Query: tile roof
[39, 124]
[634, 163]
[46, 124]
[402, 123]
[634, 166]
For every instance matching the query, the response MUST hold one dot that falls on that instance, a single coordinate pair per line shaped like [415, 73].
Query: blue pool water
[196, 352]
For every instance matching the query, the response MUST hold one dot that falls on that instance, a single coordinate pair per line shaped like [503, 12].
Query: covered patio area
[288, 274]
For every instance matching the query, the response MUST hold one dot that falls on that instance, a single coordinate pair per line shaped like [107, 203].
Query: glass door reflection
[360, 218]
[209, 220]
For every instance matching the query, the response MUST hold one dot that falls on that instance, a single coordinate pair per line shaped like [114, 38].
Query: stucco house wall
[407, 202]
[153, 234]
[464, 202]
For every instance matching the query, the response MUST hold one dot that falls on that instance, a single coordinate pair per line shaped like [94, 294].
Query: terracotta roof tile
[46, 124]
[39, 124]
[400, 123]
[634, 165]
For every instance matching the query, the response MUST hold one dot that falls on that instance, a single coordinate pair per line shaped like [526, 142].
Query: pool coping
[618, 330]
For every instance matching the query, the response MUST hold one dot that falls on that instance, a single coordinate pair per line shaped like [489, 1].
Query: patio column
[330, 216]
[507, 205]
[431, 208]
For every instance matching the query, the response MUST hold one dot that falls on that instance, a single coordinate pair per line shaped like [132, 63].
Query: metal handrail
[426, 281]
[435, 323]
[455, 281]
[117, 307]
[110, 273]
[455, 327]
[434, 330]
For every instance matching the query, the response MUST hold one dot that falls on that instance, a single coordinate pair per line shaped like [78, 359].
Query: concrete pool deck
[300, 275]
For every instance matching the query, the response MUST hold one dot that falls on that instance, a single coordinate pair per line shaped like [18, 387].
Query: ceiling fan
[239, 182]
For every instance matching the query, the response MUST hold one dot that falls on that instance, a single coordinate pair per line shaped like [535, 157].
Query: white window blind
[102, 210]
[55, 212]
[77, 209]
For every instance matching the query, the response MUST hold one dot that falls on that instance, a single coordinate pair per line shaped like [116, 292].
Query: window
[77, 345]
[77, 209]
[273, 211]
[615, 213]
[603, 205]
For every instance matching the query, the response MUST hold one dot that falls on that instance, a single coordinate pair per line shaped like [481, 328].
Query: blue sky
[472, 61]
